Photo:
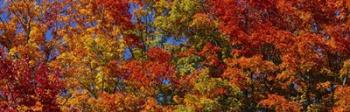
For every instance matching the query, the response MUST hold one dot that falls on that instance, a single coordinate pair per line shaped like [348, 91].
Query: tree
[178, 55]
[295, 36]
[25, 88]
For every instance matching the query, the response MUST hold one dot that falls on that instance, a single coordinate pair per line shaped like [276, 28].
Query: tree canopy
[174, 55]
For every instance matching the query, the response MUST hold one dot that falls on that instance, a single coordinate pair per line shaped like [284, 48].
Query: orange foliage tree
[175, 55]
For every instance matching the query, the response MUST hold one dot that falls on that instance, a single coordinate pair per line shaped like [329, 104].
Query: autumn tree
[299, 38]
[177, 55]
[25, 88]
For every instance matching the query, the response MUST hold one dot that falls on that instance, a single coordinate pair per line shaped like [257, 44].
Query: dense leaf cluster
[175, 55]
